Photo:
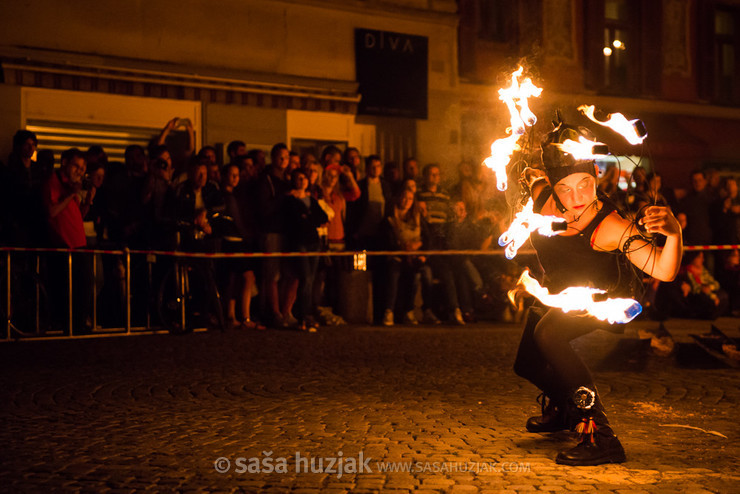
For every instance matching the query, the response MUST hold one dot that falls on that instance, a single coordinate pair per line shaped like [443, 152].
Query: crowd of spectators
[165, 199]
[162, 199]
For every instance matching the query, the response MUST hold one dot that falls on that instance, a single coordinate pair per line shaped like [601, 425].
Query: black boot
[553, 419]
[598, 443]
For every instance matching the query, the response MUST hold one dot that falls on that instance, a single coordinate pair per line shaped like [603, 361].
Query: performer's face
[576, 191]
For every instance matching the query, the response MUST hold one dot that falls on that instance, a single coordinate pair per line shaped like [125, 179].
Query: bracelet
[628, 242]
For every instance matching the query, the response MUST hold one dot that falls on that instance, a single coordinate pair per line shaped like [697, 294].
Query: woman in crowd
[239, 273]
[404, 230]
[302, 216]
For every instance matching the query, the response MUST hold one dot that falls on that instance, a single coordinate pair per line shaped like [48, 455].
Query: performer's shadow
[627, 355]
[604, 351]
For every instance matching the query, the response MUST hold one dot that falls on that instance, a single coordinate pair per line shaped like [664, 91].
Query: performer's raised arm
[661, 263]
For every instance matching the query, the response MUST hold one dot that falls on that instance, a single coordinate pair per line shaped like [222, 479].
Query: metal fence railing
[41, 289]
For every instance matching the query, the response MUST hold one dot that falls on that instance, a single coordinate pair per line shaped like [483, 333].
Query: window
[620, 46]
[719, 47]
[496, 20]
[724, 54]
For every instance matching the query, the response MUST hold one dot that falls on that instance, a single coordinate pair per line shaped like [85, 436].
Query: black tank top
[571, 261]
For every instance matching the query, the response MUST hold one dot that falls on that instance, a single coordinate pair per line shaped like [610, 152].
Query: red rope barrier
[240, 255]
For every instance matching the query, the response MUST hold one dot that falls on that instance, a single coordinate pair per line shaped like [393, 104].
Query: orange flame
[525, 222]
[617, 122]
[516, 95]
[581, 150]
[581, 299]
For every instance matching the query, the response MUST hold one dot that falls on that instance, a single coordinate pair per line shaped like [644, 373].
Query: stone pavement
[440, 405]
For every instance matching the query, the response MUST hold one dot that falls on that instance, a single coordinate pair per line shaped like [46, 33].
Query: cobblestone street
[156, 412]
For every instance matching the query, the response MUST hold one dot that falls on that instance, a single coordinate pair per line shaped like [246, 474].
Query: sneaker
[469, 318]
[410, 318]
[457, 317]
[429, 317]
[290, 320]
[388, 318]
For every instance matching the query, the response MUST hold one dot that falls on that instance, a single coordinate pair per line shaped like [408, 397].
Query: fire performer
[588, 253]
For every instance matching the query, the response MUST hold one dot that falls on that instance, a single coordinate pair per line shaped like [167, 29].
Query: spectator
[239, 275]
[195, 199]
[709, 299]
[694, 294]
[696, 207]
[334, 198]
[307, 159]
[658, 194]
[331, 155]
[366, 214]
[729, 279]
[21, 192]
[609, 184]
[303, 216]
[352, 159]
[465, 234]
[294, 163]
[437, 214]
[315, 177]
[158, 201]
[403, 230]
[180, 154]
[208, 156]
[65, 210]
[124, 216]
[411, 169]
[234, 149]
[638, 194]
[258, 158]
[726, 213]
[247, 170]
[392, 175]
[271, 192]
[63, 204]
[93, 186]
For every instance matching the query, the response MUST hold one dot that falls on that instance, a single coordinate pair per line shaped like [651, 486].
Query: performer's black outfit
[545, 356]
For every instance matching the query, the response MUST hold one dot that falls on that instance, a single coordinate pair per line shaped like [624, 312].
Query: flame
[581, 150]
[617, 122]
[525, 222]
[581, 299]
[516, 95]
[501, 151]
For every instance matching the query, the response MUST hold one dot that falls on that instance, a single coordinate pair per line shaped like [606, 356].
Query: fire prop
[584, 149]
[525, 222]
[516, 95]
[581, 299]
[632, 130]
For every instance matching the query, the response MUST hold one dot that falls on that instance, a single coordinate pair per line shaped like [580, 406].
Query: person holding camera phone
[65, 209]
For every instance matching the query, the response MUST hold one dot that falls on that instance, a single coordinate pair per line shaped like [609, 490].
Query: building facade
[261, 71]
[672, 63]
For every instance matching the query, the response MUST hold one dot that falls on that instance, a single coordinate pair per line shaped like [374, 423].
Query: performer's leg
[532, 365]
[598, 443]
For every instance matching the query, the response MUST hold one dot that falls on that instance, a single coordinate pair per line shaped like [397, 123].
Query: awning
[133, 77]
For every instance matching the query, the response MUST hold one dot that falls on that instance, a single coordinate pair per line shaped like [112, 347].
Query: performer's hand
[659, 219]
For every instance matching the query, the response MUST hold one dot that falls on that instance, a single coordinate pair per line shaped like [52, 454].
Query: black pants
[546, 357]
